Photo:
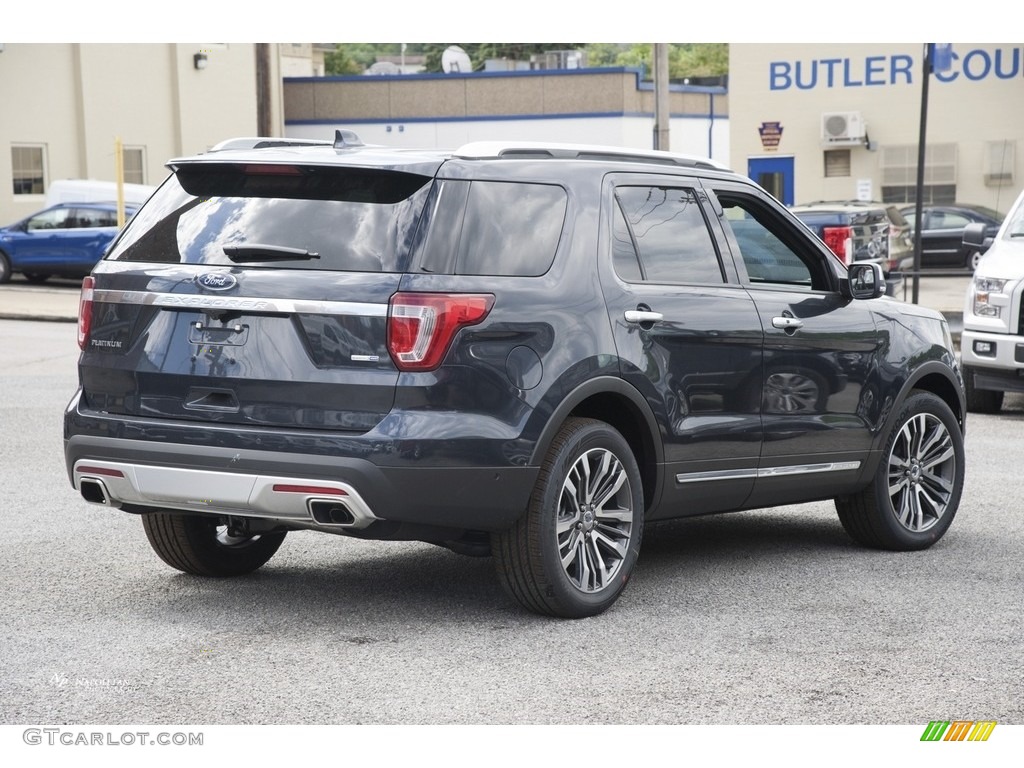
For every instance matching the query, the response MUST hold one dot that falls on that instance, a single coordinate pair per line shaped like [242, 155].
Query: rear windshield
[293, 217]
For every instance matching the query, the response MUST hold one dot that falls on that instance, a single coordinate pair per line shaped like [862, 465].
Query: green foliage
[356, 58]
[685, 59]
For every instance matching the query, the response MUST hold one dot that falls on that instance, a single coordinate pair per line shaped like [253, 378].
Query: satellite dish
[384, 68]
[454, 59]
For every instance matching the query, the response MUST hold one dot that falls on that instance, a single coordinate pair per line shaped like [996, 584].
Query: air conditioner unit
[842, 129]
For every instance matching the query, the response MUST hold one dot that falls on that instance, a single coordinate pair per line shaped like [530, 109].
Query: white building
[834, 121]
[610, 106]
[65, 104]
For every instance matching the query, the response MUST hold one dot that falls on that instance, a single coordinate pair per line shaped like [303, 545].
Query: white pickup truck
[992, 343]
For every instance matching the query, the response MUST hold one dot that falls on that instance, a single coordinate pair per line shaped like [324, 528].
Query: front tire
[5, 268]
[573, 551]
[916, 490]
[207, 546]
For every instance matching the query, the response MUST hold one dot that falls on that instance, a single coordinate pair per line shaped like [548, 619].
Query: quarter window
[493, 228]
[665, 229]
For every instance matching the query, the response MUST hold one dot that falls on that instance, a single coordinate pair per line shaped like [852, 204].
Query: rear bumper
[141, 465]
[138, 476]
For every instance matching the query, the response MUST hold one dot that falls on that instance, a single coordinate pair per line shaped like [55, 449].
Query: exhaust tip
[331, 513]
[94, 491]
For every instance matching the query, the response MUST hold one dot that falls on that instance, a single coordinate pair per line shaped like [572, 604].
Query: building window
[134, 165]
[1000, 159]
[837, 162]
[899, 173]
[28, 169]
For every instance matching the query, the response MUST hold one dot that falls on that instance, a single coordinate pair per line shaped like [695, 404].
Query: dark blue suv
[65, 240]
[511, 350]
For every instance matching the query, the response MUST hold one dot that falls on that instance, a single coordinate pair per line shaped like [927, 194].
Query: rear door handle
[639, 316]
[788, 324]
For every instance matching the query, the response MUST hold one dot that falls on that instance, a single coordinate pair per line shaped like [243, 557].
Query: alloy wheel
[922, 468]
[595, 520]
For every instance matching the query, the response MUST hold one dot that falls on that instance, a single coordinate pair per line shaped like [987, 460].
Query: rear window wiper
[261, 252]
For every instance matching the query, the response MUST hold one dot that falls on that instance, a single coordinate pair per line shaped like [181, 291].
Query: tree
[685, 59]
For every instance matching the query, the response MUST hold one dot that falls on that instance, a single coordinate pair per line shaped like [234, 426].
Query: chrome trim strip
[809, 469]
[725, 474]
[241, 303]
[746, 474]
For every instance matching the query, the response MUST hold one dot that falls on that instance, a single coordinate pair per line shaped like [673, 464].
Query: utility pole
[661, 114]
[264, 123]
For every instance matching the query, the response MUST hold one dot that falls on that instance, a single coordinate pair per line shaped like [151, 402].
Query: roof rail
[265, 142]
[481, 150]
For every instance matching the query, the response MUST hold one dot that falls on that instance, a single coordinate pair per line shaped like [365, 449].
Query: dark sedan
[66, 240]
[942, 237]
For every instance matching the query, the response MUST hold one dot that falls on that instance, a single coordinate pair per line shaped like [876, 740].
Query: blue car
[66, 240]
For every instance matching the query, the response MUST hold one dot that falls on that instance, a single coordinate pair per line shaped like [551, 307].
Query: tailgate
[254, 294]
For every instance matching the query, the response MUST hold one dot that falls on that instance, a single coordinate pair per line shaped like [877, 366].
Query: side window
[56, 218]
[665, 228]
[950, 220]
[771, 251]
[107, 218]
[84, 217]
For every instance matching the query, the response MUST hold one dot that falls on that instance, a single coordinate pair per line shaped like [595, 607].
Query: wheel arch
[621, 406]
[941, 382]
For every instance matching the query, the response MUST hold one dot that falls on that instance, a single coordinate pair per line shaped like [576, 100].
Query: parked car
[942, 238]
[517, 350]
[992, 343]
[857, 230]
[65, 240]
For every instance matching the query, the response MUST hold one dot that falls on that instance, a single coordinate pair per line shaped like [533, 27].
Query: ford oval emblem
[217, 281]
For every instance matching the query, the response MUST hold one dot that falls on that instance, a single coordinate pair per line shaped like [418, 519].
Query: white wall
[688, 135]
[76, 98]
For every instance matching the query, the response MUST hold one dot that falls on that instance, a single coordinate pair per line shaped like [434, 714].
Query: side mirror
[974, 236]
[864, 281]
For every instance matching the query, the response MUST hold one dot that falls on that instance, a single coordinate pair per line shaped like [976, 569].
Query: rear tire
[204, 546]
[916, 490]
[981, 400]
[572, 552]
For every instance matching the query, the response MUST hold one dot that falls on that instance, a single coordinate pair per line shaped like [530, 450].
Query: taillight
[85, 311]
[421, 326]
[840, 242]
